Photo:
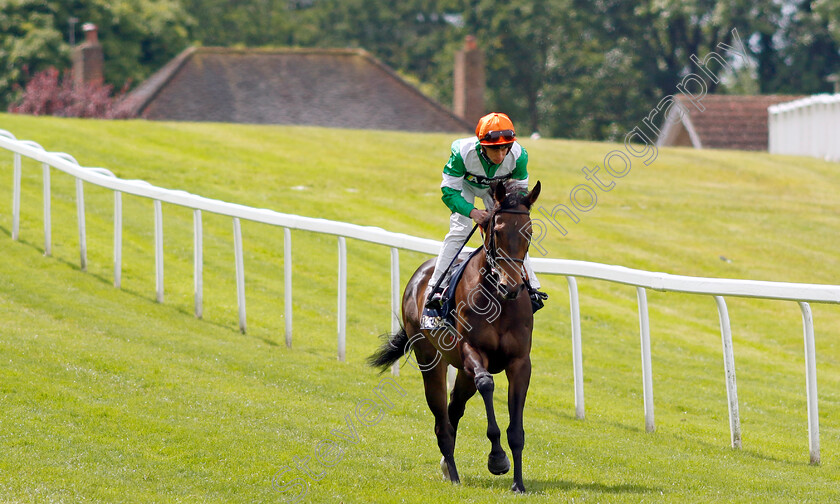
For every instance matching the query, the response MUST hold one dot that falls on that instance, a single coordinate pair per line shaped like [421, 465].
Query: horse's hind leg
[462, 392]
[434, 382]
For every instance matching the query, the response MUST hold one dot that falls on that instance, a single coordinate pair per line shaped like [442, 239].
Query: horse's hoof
[517, 488]
[444, 467]
[498, 464]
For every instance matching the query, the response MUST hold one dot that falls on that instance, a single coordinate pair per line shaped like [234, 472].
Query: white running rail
[716, 288]
[806, 127]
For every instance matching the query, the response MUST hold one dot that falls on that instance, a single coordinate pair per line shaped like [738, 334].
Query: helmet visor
[507, 135]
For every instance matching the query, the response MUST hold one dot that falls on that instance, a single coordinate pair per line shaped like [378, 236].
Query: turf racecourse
[108, 396]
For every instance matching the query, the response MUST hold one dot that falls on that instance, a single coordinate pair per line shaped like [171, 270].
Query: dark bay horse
[491, 333]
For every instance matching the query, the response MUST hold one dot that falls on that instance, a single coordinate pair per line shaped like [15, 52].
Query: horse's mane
[515, 195]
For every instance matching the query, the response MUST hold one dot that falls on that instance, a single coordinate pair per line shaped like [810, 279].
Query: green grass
[108, 396]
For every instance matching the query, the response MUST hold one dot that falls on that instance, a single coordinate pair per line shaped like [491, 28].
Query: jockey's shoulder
[464, 142]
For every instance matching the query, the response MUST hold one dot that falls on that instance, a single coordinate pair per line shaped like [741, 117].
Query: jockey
[492, 155]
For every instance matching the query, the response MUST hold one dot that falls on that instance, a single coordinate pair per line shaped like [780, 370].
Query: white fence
[642, 280]
[806, 127]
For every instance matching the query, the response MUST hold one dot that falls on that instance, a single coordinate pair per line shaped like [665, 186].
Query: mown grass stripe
[108, 396]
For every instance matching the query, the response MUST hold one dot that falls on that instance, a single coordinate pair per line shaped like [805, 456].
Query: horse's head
[508, 235]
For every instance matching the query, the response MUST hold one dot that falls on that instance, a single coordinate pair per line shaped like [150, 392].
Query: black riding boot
[537, 298]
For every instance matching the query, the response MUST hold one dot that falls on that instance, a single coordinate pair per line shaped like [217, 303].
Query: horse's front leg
[497, 461]
[519, 377]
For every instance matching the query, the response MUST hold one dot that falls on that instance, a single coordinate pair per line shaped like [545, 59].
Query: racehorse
[490, 333]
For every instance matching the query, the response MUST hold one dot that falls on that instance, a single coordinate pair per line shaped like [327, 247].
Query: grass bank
[109, 396]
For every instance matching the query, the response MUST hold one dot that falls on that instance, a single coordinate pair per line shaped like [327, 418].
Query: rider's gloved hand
[480, 216]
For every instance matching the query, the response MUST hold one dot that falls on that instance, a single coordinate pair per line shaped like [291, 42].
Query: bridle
[491, 252]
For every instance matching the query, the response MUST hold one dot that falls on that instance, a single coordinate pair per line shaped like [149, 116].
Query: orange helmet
[495, 129]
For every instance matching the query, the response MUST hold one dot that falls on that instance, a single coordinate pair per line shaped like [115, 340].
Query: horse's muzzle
[508, 294]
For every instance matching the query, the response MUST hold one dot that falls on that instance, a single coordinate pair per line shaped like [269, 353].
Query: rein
[491, 252]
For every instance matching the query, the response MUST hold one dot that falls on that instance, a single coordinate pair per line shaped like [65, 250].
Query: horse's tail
[394, 346]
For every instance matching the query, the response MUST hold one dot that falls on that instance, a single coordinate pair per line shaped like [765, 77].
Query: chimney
[88, 59]
[834, 79]
[468, 101]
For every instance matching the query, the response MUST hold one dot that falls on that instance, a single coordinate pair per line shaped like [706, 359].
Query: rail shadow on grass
[753, 452]
[137, 294]
[538, 486]
[592, 421]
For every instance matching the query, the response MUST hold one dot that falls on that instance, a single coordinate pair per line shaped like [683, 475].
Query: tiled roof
[728, 122]
[342, 88]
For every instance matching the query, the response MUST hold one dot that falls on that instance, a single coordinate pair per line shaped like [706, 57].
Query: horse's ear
[499, 192]
[534, 194]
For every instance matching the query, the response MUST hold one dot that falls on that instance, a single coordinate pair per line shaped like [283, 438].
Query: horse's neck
[478, 271]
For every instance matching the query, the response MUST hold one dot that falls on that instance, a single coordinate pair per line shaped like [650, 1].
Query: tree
[594, 87]
[137, 37]
[796, 50]
[47, 94]
[829, 13]
[632, 55]
[578, 68]
[518, 38]
[29, 43]
[416, 37]
[250, 23]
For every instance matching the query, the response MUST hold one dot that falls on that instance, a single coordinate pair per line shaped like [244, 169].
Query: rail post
[729, 369]
[16, 198]
[287, 284]
[117, 239]
[198, 264]
[577, 352]
[811, 384]
[647, 373]
[158, 251]
[47, 211]
[395, 300]
[342, 298]
[240, 273]
[80, 210]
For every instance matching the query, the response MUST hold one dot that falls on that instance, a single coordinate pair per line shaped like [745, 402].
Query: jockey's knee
[456, 236]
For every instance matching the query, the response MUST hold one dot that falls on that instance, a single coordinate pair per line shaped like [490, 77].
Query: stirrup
[430, 322]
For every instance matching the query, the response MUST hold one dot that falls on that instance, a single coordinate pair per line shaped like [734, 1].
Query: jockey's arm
[520, 172]
[453, 183]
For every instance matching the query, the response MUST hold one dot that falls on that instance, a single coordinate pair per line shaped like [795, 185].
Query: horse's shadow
[538, 486]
